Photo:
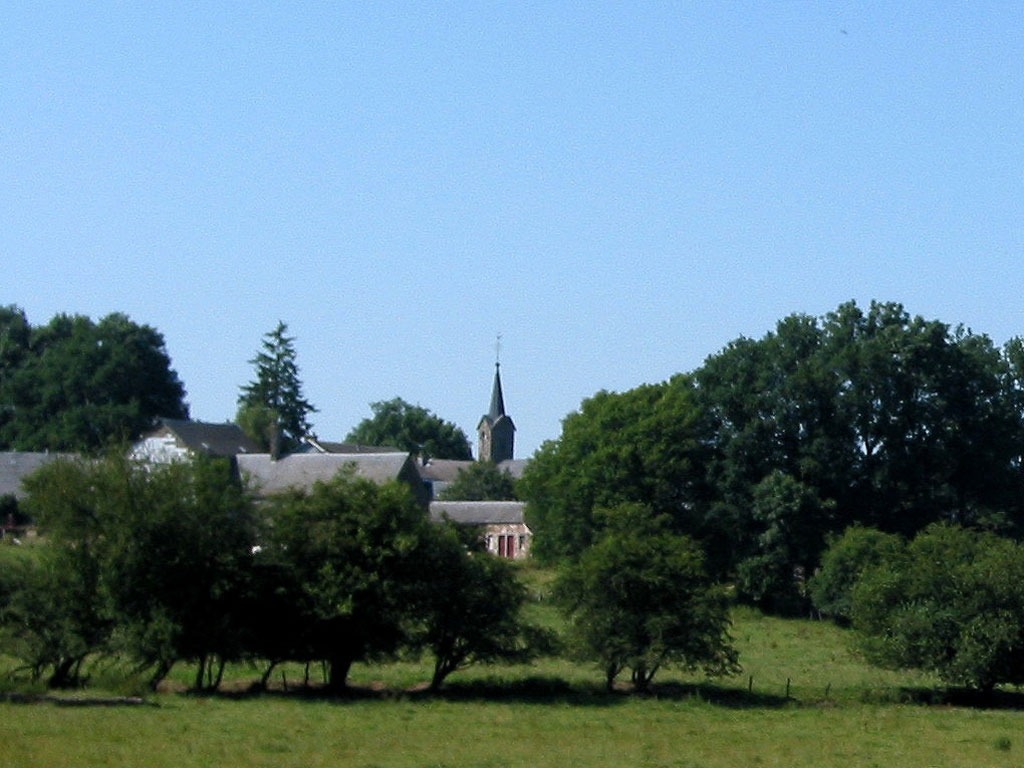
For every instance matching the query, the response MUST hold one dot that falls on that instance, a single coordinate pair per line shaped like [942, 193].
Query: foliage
[350, 554]
[55, 616]
[793, 522]
[884, 419]
[168, 563]
[272, 406]
[642, 446]
[50, 618]
[411, 428]
[11, 512]
[481, 481]
[639, 599]
[150, 560]
[178, 558]
[470, 606]
[76, 385]
[952, 605]
[844, 562]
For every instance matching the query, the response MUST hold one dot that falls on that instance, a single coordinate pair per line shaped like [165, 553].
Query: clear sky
[618, 189]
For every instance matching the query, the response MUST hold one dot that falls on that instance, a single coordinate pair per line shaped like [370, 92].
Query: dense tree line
[869, 417]
[79, 385]
[949, 601]
[161, 564]
[169, 563]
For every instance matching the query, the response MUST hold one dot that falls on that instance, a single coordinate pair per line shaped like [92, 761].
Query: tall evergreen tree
[273, 405]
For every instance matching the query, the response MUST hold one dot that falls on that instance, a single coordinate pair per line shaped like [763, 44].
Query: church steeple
[497, 398]
[496, 430]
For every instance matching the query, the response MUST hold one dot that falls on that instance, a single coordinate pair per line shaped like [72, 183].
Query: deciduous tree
[412, 428]
[844, 562]
[481, 481]
[644, 446]
[349, 554]
[952, 605]
[640, 599]
[159, 553]
[80, 386]
[470, 609]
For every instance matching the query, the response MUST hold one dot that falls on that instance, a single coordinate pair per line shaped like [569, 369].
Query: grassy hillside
[840, 712]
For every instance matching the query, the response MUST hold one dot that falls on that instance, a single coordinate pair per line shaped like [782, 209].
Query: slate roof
[442, 470]
[514, 467]
[326, 446]
[302, 470]
[15, 466]
[479, 512]
[447, 470]
[203, 437]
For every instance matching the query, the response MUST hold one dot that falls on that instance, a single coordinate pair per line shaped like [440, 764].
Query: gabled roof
[479, 512]
[442, 470]
[203, 437]
[302, 470]
[15, 466]
[313, 445]
[447, 470]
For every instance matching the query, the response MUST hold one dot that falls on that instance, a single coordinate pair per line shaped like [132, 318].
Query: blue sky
[618, 189]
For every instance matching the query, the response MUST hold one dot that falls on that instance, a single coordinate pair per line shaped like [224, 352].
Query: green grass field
[839, 712]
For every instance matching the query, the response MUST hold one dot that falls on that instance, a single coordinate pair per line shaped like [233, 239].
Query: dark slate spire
[497, 399]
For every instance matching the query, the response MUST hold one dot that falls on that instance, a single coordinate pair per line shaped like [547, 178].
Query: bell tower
[496, 431]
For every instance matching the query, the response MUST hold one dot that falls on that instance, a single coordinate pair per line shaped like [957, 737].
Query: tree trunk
[200, 674]
[62, 676]
[265, 679]
[221, 663]
[337, 676]
[163, 667]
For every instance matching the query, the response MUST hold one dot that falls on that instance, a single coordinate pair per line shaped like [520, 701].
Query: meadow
[804, 698]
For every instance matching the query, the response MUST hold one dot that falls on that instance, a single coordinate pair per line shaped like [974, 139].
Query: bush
[954, 605]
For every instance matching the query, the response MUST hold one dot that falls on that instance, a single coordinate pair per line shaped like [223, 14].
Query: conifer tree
[273, 406]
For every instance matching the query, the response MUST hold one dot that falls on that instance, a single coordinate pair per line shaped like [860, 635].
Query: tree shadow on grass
[1001, 699]
[537, 690]
[717, 695]
[542, 690]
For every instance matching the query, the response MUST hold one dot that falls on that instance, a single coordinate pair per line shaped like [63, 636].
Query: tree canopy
[272, 407]
[77, 385]
[640, 446]
[150, 561]
[951, 602]
[640, 599]
[884, 419]
[868, 416]
[412, 428]
[481, 481]
[157, 564]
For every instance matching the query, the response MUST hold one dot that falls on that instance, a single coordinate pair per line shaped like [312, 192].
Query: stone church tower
[496, 431]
